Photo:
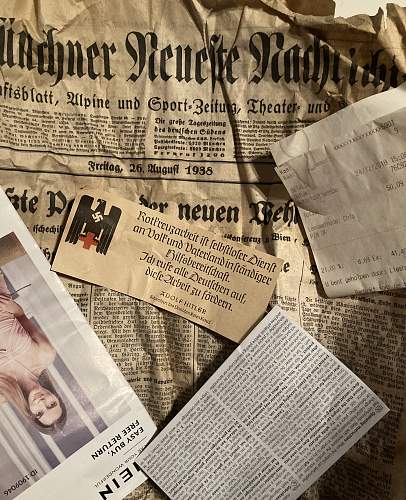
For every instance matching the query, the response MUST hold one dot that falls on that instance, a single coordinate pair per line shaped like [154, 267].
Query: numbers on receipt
[331, 268]
[368, 259]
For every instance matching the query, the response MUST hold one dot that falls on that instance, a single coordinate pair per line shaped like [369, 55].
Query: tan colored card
[212, 281]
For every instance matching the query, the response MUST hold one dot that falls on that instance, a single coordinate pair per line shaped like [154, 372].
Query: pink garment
[14, 340]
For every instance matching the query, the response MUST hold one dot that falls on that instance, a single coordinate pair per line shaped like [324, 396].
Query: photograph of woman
[25, 355]
[48, 394]
[46, 414]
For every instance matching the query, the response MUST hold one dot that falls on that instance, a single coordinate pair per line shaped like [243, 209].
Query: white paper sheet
[338, 124]
[277, 414]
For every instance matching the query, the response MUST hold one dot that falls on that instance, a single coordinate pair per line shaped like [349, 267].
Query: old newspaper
[174, 104]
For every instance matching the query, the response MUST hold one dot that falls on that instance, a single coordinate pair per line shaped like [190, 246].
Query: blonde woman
[25, 355]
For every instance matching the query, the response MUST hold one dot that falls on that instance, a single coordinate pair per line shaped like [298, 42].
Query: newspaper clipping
[174, 105]
[212, 281]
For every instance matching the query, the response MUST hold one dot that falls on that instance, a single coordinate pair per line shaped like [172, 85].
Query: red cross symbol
[88, 240]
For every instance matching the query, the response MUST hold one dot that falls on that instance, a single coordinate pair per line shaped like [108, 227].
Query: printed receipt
[338, 124]
[212, 281]
[351, 193]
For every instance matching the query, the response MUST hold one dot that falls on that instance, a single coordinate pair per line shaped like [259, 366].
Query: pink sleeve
[4, 291]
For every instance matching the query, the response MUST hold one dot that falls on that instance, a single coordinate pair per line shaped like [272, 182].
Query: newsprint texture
[174, 105]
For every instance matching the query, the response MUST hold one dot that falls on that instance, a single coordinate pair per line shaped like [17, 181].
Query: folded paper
[351, 196]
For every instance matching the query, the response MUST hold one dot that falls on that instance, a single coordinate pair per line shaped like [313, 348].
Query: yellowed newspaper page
[175, 104]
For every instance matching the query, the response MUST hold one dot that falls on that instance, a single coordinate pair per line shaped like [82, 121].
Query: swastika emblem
[93, 226]
[97, 217]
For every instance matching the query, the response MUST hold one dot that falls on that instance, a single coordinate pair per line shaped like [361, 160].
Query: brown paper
[207, 279]
[317, 64]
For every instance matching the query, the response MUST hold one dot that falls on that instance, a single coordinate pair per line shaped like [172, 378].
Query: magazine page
[69, 422]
